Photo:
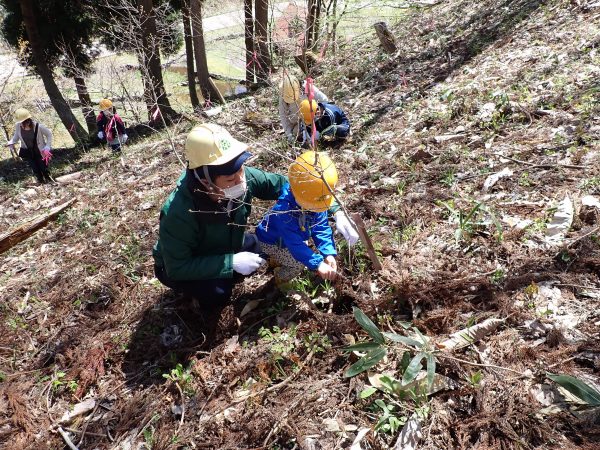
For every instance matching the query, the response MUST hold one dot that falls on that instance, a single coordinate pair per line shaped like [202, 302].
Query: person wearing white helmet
[203, 244]
[290, 97]
[36, 144]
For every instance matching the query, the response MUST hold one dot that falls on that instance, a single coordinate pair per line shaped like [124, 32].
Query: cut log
[366, 240]
[69, 177]
[26, 229]
[387, 39]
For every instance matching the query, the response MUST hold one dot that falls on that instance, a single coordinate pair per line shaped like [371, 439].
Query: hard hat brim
[318, 206]
[24, 119]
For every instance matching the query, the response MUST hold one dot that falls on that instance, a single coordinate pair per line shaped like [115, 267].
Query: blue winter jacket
[331, 115]
[287, 225]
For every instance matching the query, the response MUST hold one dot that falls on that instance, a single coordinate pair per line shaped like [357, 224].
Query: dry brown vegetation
[476, 87]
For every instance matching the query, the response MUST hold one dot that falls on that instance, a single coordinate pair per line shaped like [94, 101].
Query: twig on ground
[561, 362]
[579, 286]
[88, 433]
[273, 388]
[442, 355]
[67, 439]
[210, 396]
[542, 166]
[282, 418]
[594, 230]
[182, 406]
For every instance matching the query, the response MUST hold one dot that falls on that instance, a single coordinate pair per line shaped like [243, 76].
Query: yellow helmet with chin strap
[211, 145]
[290, 88]
[313, 178]
[105, 103]
[22, 114]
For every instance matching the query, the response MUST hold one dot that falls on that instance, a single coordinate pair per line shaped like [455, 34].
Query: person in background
[36, 144]
[331, 123]
[111, 128]
[300, 215]
[203, 246]
[290, 96]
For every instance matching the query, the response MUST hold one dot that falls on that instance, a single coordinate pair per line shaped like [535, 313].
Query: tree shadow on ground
[473, 35]
[16, 170]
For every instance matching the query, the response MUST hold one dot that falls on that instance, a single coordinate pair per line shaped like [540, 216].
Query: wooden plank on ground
[26, 229]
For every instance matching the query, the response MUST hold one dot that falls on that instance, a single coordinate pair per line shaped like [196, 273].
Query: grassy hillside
[475, 89]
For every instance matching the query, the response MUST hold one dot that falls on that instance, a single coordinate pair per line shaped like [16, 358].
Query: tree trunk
[58, 102]
[314, 14]
[86, 104]
[249, 41]
[208, 89]
[387, 39]
[156, 96]
[189, 53]
[315, 38]
[261, 15]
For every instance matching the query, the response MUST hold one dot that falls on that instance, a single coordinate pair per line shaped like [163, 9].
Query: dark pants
[210, 293]
[40, 169]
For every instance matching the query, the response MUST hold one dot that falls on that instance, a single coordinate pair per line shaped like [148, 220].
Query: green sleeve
[178, 237]
[264, 185]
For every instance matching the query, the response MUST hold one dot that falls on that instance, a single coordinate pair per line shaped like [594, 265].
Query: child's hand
[331, 261]
[326, 272]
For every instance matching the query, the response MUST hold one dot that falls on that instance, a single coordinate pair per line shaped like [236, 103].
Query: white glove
[346, 228]
[100, 134]
[246, 262]
[124, 138]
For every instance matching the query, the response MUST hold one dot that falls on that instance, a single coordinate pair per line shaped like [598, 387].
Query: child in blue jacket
[300, 214]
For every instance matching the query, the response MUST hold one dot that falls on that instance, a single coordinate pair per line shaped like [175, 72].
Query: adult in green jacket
[202, 240]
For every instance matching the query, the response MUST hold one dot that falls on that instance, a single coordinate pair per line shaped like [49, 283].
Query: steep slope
[497, 87]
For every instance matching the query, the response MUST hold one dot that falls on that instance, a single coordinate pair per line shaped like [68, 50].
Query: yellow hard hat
[22, 114]
[290, 88]
[211, 145]
[313, 177]
[105, 104]
[308, 109]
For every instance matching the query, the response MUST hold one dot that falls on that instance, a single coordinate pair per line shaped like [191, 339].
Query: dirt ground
[475, 89]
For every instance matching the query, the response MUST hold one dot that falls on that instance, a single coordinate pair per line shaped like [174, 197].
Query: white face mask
[235, 192]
